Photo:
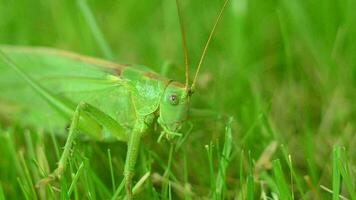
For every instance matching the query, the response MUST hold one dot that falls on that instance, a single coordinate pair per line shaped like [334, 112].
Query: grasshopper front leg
[141, 126]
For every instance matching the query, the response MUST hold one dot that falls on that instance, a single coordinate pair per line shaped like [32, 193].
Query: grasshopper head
[174, 109]
[175, 103]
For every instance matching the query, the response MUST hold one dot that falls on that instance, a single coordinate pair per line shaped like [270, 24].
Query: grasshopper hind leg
[85, 117]
[66, 152]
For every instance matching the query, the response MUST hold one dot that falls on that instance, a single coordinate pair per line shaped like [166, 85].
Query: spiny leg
[85, 117]
[66, 152]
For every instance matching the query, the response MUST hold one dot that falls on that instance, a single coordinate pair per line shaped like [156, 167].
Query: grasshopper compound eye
[173, 99]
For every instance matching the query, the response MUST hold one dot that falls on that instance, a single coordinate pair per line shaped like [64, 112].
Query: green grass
[284, 70]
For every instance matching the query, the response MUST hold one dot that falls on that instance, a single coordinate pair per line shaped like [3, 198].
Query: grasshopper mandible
[136, 98]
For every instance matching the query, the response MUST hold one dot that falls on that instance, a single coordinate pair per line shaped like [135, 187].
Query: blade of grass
[336, 172]
[187, 195]
[118, 190]
[23, 189]
[269, 181]
[2, 195]
[346, 175]
[283, 190]
[331, 192]
[348, 180]
[111, 171]
[28, 178]
[75, 180]
[211, 167]
[250, 187]
[169, 191]
[224, 161]
[241, 180]
[140, 183]
[167, 172]
[294, 176]
[98, 35]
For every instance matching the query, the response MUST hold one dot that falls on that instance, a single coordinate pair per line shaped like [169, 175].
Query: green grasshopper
[101, 100]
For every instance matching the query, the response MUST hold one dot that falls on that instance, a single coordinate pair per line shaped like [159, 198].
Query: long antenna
[207, 44]
[185, 47]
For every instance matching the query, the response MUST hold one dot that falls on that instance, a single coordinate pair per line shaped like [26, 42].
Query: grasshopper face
[175, 103]
[174, 109]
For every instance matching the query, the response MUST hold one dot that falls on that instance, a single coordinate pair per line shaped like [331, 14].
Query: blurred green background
[284, 69]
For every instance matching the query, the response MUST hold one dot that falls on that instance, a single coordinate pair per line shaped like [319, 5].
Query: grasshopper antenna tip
[207, 45]
[185, 46]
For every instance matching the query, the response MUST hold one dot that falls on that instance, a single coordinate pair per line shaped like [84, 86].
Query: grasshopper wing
[71, 78]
